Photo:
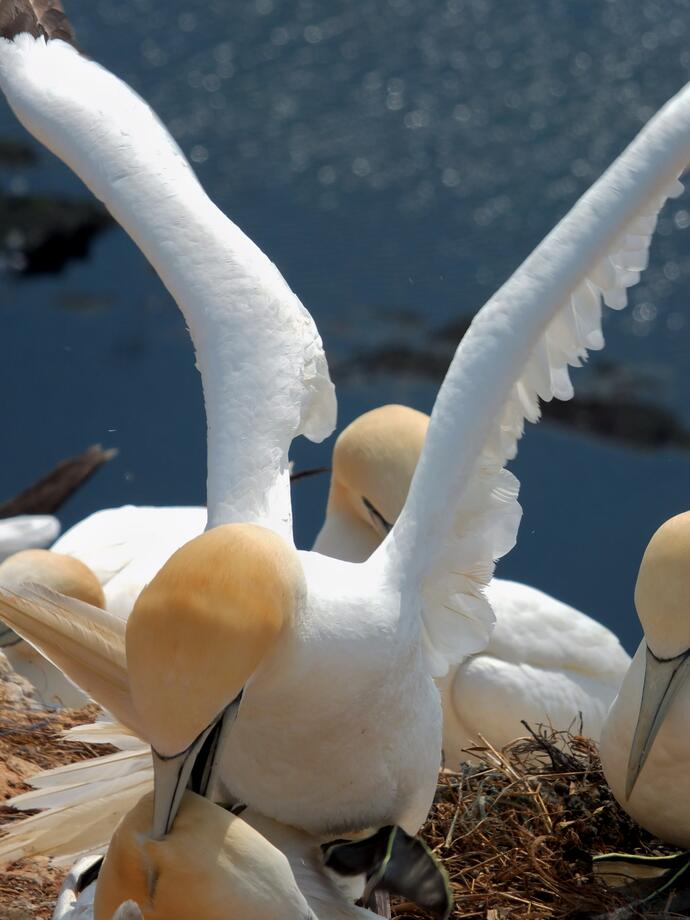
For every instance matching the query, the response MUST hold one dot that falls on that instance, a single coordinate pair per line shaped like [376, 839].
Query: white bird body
[423, 590]
[546, 663]
[125, 547]
[379, 710]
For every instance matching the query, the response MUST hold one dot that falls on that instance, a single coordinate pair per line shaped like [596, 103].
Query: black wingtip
[40, 18]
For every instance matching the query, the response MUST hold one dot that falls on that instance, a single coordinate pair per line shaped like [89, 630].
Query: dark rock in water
[639, 423]
[42, 234]
[613, 402]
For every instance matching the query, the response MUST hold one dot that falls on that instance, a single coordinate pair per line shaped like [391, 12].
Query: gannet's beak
[193, 768]
[662, 679]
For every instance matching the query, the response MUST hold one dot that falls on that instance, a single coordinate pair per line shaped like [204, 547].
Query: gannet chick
[62, 574]
[196, 636]
[545, 661]
[645, 746]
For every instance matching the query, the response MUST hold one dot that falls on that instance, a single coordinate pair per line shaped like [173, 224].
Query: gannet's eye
[376, 516]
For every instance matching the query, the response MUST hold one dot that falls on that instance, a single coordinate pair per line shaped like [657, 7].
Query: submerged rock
[41, 233]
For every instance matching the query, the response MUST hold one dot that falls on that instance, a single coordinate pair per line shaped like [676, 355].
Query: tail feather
[105, 732]
[84, 642]
[56, 797]
[95, 770]
[72, 830]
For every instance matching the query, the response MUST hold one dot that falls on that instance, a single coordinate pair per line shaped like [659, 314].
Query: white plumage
[358, 663]
[545, 661]
[27, 531]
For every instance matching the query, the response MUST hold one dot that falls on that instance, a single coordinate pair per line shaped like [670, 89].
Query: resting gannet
[645, 750]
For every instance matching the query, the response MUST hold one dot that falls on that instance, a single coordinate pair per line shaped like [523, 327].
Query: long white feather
[261, 390]
[462, 511]
[85, 642]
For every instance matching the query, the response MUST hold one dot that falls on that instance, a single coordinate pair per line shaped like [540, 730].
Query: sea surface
[397, 159]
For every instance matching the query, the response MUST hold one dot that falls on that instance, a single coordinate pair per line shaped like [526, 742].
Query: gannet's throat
[663, 678]
[376, 515]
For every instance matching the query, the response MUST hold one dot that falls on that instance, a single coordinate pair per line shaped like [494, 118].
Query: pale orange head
[213, 865]
[374, 459]
[53, 570]
[201, 628]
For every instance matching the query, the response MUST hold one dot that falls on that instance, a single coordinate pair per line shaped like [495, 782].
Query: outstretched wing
[261, 359]
[462, 511]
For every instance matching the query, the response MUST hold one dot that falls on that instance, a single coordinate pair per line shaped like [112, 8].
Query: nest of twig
[516, 832]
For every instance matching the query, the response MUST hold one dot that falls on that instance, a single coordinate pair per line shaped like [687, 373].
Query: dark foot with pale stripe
[396, 863]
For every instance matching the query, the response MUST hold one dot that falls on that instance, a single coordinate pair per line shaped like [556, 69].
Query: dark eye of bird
[376, 515]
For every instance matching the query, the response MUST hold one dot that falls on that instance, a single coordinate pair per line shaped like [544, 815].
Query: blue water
[397, 160]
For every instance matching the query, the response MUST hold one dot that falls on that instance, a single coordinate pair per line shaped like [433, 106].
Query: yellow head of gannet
[196, 635]
[213, 865]
[374, 460]
[60, 573]
[662, 599]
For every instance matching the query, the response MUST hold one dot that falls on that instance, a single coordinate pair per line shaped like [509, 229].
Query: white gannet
[545, 662]
[356, 661]
[214, 865]
[67, 576]
[645, 750]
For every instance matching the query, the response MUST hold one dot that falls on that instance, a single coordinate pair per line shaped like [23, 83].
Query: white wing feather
[109, 540]
[462, 511]
[27, 531]
[263, 368]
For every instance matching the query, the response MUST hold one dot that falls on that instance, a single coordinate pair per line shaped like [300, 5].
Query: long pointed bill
[171, 775]
[662, 679]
